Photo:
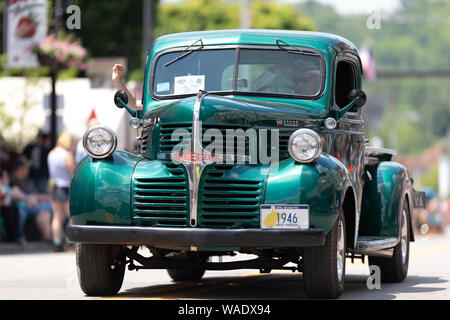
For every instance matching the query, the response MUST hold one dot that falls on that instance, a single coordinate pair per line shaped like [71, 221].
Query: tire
[321, 276]
[181, 275]
[95, 273]
[395, 269]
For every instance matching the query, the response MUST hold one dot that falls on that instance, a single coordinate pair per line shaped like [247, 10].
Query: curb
[29, 247]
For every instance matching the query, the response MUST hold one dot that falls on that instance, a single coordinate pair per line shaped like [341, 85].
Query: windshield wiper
[185, 52]
[282, 45]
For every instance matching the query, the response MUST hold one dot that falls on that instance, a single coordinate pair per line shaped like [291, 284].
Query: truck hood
[242, 112]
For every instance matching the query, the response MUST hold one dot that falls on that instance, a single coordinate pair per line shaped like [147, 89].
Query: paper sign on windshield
[189, 84]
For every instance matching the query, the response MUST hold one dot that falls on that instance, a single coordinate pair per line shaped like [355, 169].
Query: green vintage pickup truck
[249, 141]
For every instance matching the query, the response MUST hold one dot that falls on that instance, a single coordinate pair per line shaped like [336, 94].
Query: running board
[375, 245]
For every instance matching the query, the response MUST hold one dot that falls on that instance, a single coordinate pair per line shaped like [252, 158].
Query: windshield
[257, 72]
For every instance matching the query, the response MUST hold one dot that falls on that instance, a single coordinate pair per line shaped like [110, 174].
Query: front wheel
[194, 273]
[101, 268]
[180, 275]
[395, 269]
[324, 267]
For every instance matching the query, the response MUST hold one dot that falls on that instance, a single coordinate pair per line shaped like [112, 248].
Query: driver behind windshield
[307, 83]
[296, 77]
[277, 78]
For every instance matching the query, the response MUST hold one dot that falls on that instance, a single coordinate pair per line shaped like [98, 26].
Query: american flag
[368, 63]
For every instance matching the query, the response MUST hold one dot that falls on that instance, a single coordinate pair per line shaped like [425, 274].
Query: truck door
[350, 135]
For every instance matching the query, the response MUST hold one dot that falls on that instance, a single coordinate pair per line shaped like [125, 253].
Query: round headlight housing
[100, 142]
[305, 146]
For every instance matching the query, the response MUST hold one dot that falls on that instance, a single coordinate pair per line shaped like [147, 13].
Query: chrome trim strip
[365, 245]
[194, 169]
[386, 253]
[361, 133]
[351, 121]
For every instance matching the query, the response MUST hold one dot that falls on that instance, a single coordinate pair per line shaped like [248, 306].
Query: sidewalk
[29, 247]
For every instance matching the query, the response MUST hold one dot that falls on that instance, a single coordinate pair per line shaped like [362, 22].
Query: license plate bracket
[283, 216]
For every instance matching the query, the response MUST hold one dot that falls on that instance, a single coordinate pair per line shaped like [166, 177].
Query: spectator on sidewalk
[37, 154]
[61, 164]
[8, 211]
[32, 205]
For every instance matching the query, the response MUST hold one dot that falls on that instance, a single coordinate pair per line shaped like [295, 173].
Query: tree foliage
[197, 15]
[194, 15]
[112, 28]
[415, 37]
[270, 15]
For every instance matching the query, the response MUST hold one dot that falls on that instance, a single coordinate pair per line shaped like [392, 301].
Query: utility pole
[246, 20]
[146, 26]
[56, 24]
[392, 114]
[53, 74]
[5, 26]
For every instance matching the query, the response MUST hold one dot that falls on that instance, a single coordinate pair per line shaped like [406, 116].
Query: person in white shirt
[61, 165]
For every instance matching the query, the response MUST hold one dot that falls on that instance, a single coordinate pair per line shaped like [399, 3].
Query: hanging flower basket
[49, 61]
[61, 52]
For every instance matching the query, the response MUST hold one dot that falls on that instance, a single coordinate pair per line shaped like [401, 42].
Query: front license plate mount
[283, 216]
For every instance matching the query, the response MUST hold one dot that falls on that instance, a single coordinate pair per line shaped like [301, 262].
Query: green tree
[270, 15]
[431, 178]
[415, 37]
[6, 122]
[197, 15]
[112, 28]
[20, 130]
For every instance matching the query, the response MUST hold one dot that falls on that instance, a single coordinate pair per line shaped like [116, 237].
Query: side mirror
[357, 98]
[122, 95]
[358, 93]
[121, 101]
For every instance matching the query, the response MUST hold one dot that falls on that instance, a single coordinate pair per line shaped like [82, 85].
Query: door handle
[365, 141]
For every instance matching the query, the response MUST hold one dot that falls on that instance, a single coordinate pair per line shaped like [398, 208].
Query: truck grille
[162, 201]
[167, 145]
[228, 203]
[283, 142]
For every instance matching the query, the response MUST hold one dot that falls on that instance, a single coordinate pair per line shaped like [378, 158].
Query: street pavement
[40, 274]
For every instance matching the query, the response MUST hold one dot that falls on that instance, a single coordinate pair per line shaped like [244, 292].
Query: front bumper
[196, 237]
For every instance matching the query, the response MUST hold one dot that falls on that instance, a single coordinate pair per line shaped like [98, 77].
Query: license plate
[284, 216]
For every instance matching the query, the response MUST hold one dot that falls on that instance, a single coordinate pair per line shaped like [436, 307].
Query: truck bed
[374, 155]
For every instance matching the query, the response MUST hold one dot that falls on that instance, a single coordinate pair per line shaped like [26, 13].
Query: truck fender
[382, 199]
[322, 185]
[100, 191]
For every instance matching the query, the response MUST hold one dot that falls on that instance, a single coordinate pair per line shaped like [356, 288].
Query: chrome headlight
[100, 142]
[305, 146]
